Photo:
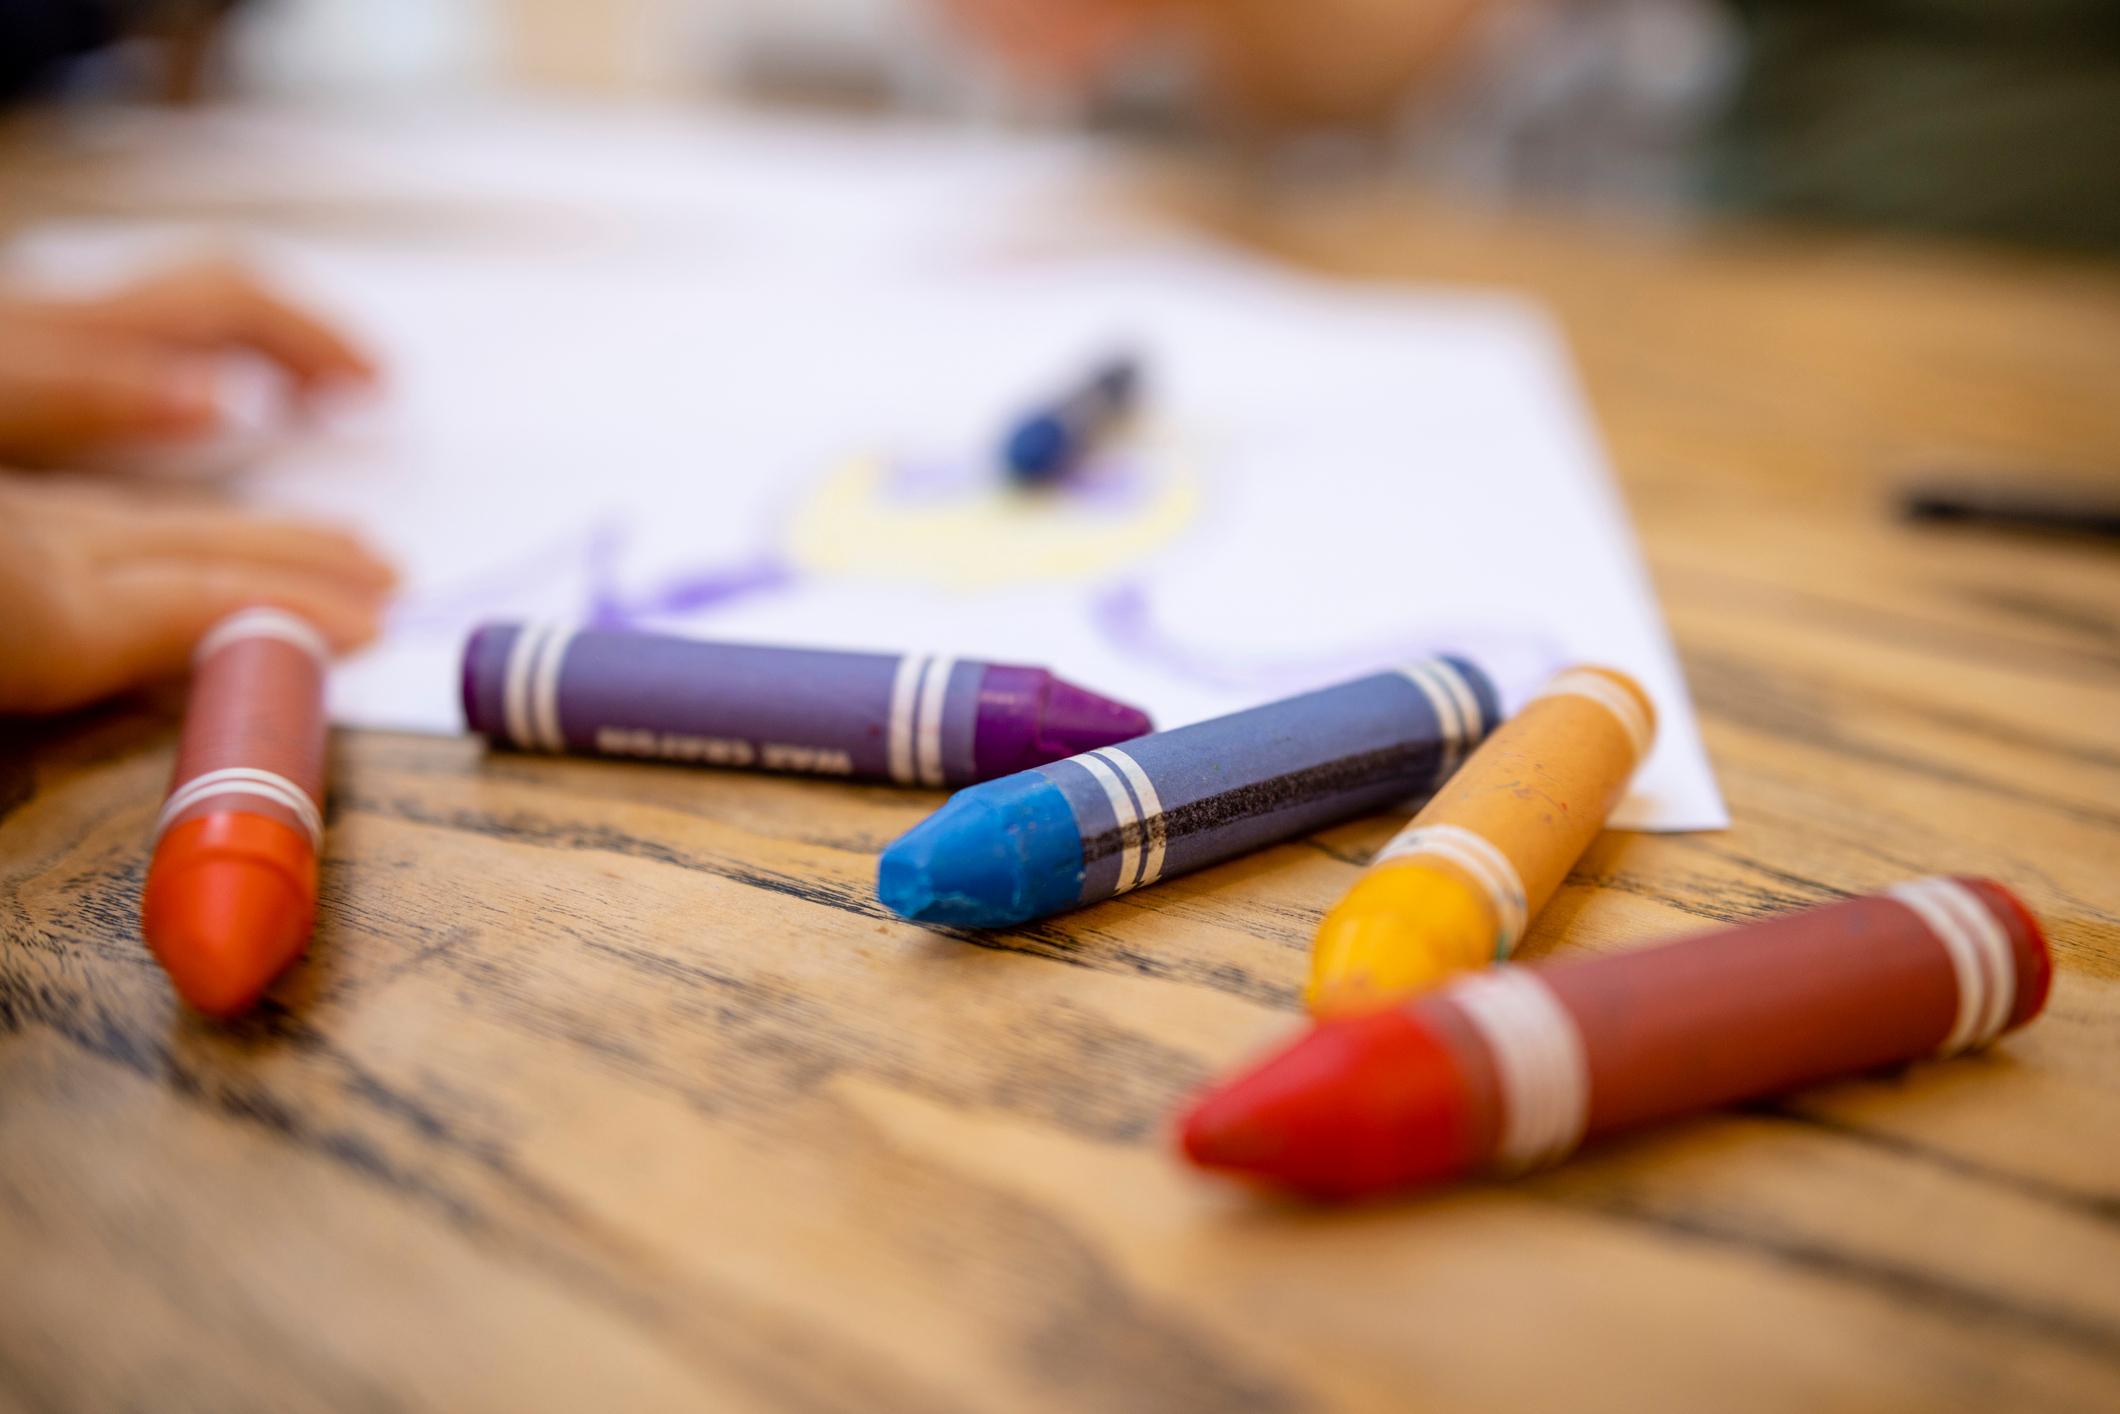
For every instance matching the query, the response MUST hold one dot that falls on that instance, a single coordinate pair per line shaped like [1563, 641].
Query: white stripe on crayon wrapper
[1152, 807]
[1979, 950]
[1993, 942]
[905, 684]
[544, 688]
[1443, 705]
[244, 781]
[530, 686]
[1478, 857]
[515, 684]
[1539, 1060]
[1468, 701]
[927, 736]
[1456, 706]
[1129, 823]
[1606, 693]
[263, 623]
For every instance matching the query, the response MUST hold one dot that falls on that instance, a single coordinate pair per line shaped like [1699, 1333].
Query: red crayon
[231, 892]
[1512, 1068]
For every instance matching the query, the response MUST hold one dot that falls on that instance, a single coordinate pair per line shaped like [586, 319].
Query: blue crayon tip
[1037, 448]
[993, 855]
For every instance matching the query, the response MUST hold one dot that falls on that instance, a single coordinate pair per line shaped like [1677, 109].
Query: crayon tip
[226, 910]
[1403, 928]
[944, 870]
[1075, 720]
[993, 855]
[1354, 1107]
[1037, 448]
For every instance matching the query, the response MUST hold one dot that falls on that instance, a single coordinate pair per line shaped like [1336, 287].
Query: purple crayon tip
[1076, 720]
[1029, 717]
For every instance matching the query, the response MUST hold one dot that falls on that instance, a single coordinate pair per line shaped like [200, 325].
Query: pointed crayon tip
[993, 855]
[1037, 448]
[1353, 1108]
[1403, 928]
[905, 874]
[1075, 720]
[224, 928]
[953, 867]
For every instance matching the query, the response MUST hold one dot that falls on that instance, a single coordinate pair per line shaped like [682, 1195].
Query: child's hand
[100, 593]
[82, 376]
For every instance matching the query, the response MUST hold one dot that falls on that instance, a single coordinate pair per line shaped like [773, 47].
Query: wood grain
[612, 1084]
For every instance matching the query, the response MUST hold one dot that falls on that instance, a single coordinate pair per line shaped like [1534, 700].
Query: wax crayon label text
[723, 751]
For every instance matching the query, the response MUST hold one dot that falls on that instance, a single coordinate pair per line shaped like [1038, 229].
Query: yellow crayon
[1456, 888]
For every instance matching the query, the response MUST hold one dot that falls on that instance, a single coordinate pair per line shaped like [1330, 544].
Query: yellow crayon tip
[1403, 928]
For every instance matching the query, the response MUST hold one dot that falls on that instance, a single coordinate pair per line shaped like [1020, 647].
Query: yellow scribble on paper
[990, 537]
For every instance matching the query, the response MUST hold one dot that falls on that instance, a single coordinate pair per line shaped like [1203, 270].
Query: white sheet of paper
[1328, 479]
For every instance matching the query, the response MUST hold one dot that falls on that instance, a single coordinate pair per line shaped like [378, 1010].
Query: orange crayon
[231, 891]
[1458, 886]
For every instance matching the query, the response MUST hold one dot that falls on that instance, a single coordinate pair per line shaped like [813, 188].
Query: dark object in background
[2012, 505]
[1051, 441]
[1990, 119]
[42, 41]
[39, 37]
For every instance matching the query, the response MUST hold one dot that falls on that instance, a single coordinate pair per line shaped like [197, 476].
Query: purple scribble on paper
[503, 591]
[592, 559]
[1113, 484]
[925, 481]
[692, 592]
[1517, 659]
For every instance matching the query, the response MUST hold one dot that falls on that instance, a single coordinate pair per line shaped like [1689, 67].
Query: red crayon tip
[1356, 1106]
[1074, 720]
[229, 903]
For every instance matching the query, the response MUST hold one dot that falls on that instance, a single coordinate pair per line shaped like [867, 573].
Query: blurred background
[1965, 117]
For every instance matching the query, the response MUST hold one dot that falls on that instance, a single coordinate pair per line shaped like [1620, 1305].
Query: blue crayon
[1049, 442]
[1095, 825]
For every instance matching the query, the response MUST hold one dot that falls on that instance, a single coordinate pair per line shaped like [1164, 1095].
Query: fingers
[157, 610]
[81, 377]
[101, 593]
[107, 528]
[64, 392]
[219, 305]
[185, 534]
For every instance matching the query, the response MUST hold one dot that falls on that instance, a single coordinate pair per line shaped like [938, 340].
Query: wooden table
[612, 1086]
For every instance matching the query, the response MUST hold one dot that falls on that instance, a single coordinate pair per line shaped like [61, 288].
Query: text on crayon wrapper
[722, 751]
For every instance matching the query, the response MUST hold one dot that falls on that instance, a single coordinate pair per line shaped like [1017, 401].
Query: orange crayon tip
[229, 904]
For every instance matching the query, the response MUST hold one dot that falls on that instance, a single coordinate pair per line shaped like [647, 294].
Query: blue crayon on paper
[1050, 441]
[1089, 827]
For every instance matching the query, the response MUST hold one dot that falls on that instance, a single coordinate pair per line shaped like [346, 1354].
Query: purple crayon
[916, 719]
